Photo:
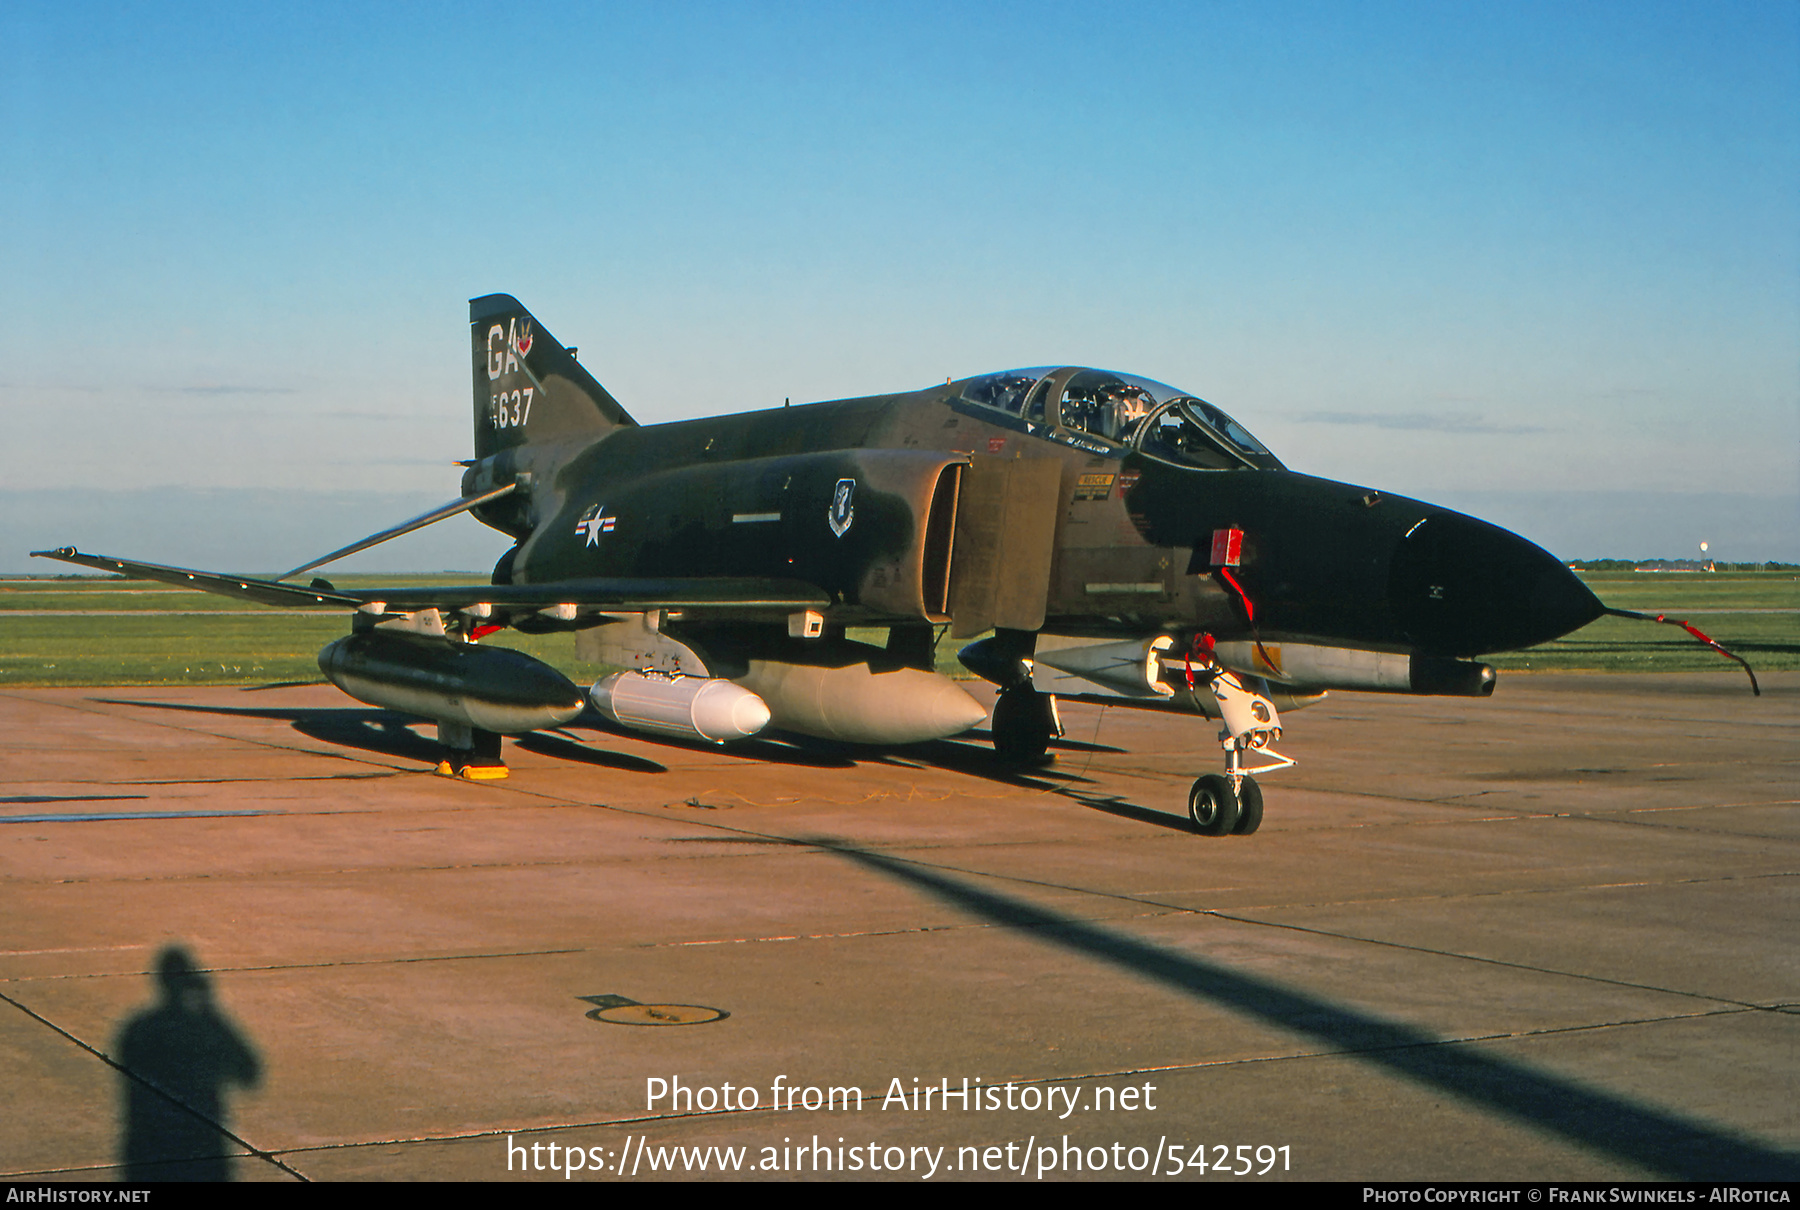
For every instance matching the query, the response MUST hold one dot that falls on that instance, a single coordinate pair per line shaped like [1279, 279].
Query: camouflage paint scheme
[1125, 533]
[1081, 505]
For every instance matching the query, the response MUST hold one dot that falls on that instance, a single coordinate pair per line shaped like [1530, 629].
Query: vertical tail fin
[528, 387]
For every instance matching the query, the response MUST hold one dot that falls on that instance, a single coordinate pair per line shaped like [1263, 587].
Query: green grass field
[165, 636]
[185, 638]
[1755, 614]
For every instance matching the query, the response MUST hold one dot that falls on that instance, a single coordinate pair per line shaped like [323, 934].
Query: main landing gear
[1025, 721]
[1231, 803]
[471, 754]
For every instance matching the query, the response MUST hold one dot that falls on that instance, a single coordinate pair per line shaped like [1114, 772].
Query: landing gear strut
[1231, 803]
[471, 753]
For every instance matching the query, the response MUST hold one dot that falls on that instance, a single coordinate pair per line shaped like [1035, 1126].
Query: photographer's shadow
[178, 1058]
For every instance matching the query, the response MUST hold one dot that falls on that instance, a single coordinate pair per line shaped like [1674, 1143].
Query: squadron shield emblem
[842, 511]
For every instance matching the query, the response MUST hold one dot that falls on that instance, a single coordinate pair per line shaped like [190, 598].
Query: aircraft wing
[722, 594]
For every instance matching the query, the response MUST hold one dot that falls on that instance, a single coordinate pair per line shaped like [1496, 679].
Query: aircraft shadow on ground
[561, 747]
[974, 760]
[1604, 1123]
[1112, 804]
[789, 749]
[390, 734]
[978, 760]
[178, 1060]
[966, 754]
[363, 728]
[371, 731]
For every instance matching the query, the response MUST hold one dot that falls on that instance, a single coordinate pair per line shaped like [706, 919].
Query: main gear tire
[1022, 726]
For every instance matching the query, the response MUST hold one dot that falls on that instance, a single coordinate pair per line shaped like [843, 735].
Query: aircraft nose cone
[1462, 587]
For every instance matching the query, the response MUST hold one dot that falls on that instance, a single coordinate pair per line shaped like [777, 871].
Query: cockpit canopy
[1124, 412]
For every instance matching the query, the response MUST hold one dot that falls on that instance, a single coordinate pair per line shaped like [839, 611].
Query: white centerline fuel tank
[687, 707]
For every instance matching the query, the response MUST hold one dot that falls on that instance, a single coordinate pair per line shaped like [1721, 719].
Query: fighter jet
[1123, 541]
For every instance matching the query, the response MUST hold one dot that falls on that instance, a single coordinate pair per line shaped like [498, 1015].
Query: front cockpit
[1118, 414]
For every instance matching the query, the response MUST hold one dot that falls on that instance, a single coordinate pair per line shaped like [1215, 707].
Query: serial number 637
[511, 408]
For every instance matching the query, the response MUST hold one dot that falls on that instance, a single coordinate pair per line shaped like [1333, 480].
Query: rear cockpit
[1117, 414]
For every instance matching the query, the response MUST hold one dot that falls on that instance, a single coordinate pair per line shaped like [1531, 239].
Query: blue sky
[1531, 255]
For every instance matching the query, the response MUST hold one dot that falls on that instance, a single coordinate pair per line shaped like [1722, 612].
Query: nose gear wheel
[1231, 803]
[1212, 806]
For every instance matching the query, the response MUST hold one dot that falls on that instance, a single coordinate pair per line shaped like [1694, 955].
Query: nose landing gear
[1231, 803]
